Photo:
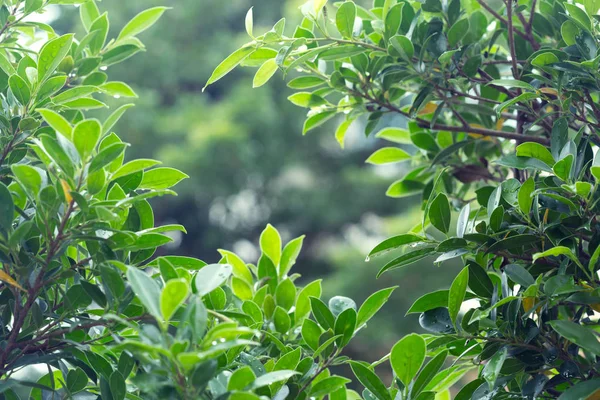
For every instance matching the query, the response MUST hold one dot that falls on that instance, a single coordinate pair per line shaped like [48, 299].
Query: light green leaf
[51, 55]
[344, 18]
[20, 89]
[270, 243]
[535, 150]
[407, 357]
[86, 135]
[388, 155]
[373, 304]
[249, 21]
[524, 196]
[161, 178]
[172, 297]
[228, 64]
[118, 89]
[264, 73]
[57, 122]
[141, 22]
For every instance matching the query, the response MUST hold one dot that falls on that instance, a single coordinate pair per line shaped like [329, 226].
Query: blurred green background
[249, 163]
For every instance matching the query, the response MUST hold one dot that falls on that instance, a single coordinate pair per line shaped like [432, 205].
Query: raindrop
[116, 96]
[222, 340]
[367, 259]
[103, 68]
[214, 343]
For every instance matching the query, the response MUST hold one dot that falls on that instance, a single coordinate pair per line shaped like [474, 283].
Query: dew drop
[103, 68]
[116, 96]
[214, 343]
[222, 340]
[367, 259]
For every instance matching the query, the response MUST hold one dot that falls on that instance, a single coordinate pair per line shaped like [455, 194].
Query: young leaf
[229, 63]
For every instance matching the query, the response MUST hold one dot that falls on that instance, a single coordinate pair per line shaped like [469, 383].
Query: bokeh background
[249, 163]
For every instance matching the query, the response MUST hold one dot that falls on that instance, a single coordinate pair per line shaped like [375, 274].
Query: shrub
[500, 101]
[86, 311]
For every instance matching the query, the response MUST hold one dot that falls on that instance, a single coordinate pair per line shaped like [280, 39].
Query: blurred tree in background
[249, 163]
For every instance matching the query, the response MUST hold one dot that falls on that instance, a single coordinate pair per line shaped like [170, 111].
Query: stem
[511, 40]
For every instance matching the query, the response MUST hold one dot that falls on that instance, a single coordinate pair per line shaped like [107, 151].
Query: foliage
[502, 99]
[82, 296]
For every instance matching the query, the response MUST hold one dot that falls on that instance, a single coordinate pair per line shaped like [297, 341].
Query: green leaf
[407, 357]
[289, 255]
[141, 22]
[428, 373]
[7, 208]
[311, 333]
[394, 243]
[370, 381]
[228, 64]
[161, 178]
[535, 150]
[249, 22]
[393, 19]
[388, 155]
[239, 266]
[272, 377]
[458, 289]
[317, 120]
[77, 380]
[491, 371]
[345, 324]
[270, 244]
[439, 213]
[344, 19]
[146, 289]
[29, 177]
[118, 388]
[407, 259]
[519, 275]
[322, 313]
[52, 54]
[569, 31]
[20, 89]
[524, 196]
[210, 277]
[264, 73]
[558, 251]
[395, 135]
[285, 295]
[458, 31]
[118, 89]
[429, 301]
[172, 297]
[582, 391]
[372, 304]
[57, 122]
[328, 385]
[479, 281]
[303, 308]
[86, 135]
[581, 336]
[106, 156]
[114, 117]
[579, 16]
[511, 83]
